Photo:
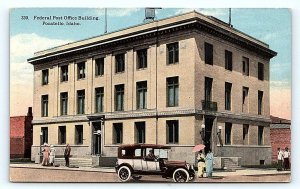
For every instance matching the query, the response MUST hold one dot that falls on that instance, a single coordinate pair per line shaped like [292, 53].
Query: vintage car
[150, 159]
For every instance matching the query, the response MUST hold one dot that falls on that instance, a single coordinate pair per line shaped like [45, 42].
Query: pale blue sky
[272, 26]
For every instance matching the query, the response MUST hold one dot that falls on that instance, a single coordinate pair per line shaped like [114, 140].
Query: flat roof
[158, 25]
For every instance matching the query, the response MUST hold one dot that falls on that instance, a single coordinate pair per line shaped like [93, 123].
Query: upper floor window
[45, 77]
[245, 66]
[208, 89]
[172, 91]
[64, 73]
[228, 60]
[119, 97]
[142, 59]
[228, 96]
[173, 53]
[80, 101]
[260, 71]
[209, 53]
[228, 127]
[99, 95]
[260, 102]
[81, 70]
[245, 100]
[141, 95]
[120, 62]
[172, 132]
[99, 66]
[64, 103]
[44, 105]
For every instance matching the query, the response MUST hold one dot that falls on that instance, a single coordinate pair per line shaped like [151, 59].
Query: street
[72, 175]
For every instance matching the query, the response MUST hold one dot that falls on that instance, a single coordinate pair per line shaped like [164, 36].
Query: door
[97, 138]
[209, 122]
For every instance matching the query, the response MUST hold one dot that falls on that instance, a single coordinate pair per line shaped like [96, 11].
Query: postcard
[150, 95]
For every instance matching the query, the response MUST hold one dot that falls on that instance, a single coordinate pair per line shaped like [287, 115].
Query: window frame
[45, 77]
[228, 135]
[99, 93]
[120, 63]
[260, 135]
[45, 135]
[119, 90]
[228, 87]
[141, 87]
[260, 104]
[228, 60]
[64, 99]
[78, 134]
[142, 56]
[117, 137]
[172, 127]
[81, 96]
[99, 66]
[64, 73]
[81, 66]
[140, 128]
[260, 71]
[246, 66]
[173, 50]
[208, 53]
[45, 102]
[62, 139]
[173, 85]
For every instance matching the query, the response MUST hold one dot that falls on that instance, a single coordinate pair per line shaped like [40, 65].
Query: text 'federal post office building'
[180, 81]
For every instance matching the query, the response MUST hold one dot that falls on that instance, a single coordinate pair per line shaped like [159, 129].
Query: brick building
[280, 135]
[21, 135]
[180, 81]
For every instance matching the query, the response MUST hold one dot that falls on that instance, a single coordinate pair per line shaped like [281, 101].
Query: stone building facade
[180, 81]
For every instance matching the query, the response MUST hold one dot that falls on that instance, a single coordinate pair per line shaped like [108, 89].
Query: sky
[272, 26]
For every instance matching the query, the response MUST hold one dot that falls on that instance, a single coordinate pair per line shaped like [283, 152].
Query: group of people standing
[49, 155]
[205, 163]
[283, 159]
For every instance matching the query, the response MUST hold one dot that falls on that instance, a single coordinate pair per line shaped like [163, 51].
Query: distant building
[21, 135]
[280, 135]
[180, 81]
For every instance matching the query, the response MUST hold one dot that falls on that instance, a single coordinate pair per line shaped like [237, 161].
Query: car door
[137, 160]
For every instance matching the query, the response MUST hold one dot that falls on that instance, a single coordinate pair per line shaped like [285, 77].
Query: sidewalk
[242, 172]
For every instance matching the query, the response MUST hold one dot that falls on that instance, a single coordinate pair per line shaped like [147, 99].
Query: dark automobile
[149, 159]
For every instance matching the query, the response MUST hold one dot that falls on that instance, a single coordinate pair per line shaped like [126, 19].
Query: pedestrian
[286, 159]
[279, 159]
[46, 152]
[201, 163]
[52, 155]
[67, 155]
[209, 163]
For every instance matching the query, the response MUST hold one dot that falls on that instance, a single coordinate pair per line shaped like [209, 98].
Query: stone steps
[75, 162]
[231, 165]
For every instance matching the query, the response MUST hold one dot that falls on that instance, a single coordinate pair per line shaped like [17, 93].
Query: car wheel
[180, 175]
[124, 173]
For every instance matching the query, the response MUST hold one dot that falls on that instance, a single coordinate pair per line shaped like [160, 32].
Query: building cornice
[156, 29]
[149, 114]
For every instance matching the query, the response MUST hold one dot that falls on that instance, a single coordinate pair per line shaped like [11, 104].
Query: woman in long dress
[52, 155]
[201, 164]
[209, 163]
[46, 152]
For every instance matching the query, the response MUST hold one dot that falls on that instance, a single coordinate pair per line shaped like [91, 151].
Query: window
[119, 97]
[64, 73]
[81, 70]
[260, 70]
[260, 135]
[44, 137]
[173, 53]
[260, 102]
[245, 99]
[120, 63]
[228, 127]
[142, 59]
[140, 132]
[209, 53]
[141, 95]
[44, 105]
[228, 60]
[245, 66]
[78, 134]
[80, 101]
[64, 103]
[172, 91]
[118, 133]
[172, 132]
[62, 135]
[99, 66]
[208, 88]
[99, 99]
[228, 96]
[245, 133]
[45, 77]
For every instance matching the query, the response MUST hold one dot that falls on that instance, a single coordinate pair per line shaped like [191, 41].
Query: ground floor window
[118, 133]
[228, 128]
[140, 132]
[44, 135]
[78, 134]
[172, 132]
[260, 135]
[62, 135]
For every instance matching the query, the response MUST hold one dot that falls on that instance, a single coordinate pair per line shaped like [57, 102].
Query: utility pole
[230, 17]
[105, 26]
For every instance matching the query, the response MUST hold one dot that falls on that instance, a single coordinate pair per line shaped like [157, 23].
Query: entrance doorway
[97, 138]
[209, 122]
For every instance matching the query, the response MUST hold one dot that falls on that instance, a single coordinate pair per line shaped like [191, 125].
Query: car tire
[124, 173]
[180, 175]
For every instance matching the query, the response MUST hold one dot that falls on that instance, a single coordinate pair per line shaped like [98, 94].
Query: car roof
[143, 146]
